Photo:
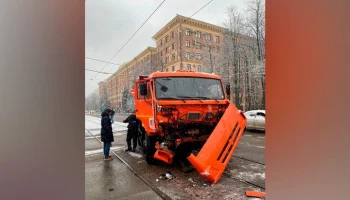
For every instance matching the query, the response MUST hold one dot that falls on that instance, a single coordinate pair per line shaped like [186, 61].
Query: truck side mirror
[143, 89]
[228, 89]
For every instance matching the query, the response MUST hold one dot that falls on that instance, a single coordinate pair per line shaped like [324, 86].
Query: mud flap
[214, 156]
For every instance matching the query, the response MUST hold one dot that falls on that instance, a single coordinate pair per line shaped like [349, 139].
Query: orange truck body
[175, 126]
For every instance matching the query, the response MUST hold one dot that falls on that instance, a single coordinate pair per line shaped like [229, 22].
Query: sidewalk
[93, 124]
[113, 180]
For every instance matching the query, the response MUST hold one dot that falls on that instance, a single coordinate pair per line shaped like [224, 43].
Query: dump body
[185, 112]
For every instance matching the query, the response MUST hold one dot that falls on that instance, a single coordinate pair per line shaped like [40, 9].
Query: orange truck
[187, 116]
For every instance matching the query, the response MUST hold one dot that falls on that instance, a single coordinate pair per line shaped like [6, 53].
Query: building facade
[143, 64]
[185, 44]
[101, 88]
[188, 44]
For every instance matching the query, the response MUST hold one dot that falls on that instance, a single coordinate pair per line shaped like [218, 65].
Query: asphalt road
[113, 180]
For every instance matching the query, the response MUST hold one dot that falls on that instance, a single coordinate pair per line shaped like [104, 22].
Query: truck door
[143, 105]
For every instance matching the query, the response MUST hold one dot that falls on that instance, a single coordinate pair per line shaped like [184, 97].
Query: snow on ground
[250, 176]
[93, 124]
[135, 155]
[93, 152]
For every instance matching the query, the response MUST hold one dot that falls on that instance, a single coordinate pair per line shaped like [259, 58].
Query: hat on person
[108, 110]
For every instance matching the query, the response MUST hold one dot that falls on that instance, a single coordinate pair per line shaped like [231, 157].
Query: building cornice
[186, 20]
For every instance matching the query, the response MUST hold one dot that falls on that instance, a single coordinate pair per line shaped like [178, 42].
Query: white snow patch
[253, 166]
[98, 151]
[95, 123]
[250, 176]
[135, 155]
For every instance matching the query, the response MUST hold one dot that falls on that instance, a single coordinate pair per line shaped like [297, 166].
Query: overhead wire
[127, 41]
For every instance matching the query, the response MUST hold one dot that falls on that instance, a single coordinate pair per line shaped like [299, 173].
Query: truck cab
[180, 111]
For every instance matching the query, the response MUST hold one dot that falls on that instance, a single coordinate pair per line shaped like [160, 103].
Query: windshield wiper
[189, 97]
[207, 98]
[173, 98]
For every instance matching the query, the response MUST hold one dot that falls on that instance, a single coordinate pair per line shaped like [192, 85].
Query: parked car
[255, 120]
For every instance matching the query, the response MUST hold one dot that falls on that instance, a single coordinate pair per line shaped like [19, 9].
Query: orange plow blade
[214, 156]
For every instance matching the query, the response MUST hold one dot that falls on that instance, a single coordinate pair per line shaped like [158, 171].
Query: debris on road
[157, 180]
[255, 194]
[168, 176]
[190, 180]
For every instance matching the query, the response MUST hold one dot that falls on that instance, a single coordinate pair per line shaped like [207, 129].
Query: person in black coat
[132, 131]
[106, 132]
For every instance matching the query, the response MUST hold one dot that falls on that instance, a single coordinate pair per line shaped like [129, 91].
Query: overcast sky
[110, 23]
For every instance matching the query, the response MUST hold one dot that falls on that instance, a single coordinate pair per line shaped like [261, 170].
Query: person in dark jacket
[106, 132]
[132, 131]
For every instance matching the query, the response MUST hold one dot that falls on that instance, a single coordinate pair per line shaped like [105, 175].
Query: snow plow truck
[186, 116]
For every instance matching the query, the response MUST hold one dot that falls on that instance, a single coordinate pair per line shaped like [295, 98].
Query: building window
[208, 36]
[173, 68]
[198, 34]
[173, 57]
[161, 53]
[167, 50]
[217, 38]
[217, 49]
[166, 69]
[188, 66]
[166, 39]
[198, 56]
[188, 55]
[161, 42]
[188, 32]
[208, 48]
[199, 68]
[173, 46]
[173, 34]
[187, 43]
[167, 60]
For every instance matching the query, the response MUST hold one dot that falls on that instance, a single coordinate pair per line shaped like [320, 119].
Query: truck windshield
[188, 88]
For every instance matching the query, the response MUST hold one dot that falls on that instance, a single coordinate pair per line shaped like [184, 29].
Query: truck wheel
[149, 148]
[140, 136]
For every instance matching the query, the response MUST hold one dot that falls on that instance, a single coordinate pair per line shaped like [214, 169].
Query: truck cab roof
[183, 73]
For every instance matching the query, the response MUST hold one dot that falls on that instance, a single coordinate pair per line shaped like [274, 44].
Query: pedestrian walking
[106, 133]
[132, 131]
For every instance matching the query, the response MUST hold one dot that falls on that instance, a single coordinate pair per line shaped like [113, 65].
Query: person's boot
[128, 149]
[108, 158]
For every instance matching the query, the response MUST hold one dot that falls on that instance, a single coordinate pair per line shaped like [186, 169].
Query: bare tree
[256, 27]
[241, 63]
[232, 56]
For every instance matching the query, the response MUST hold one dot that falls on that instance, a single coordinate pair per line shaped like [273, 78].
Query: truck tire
[140, 136]
[149, 148]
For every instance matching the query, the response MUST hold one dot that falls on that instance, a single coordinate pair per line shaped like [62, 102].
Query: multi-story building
[143, 64]
[188, 44]
[101, 88]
